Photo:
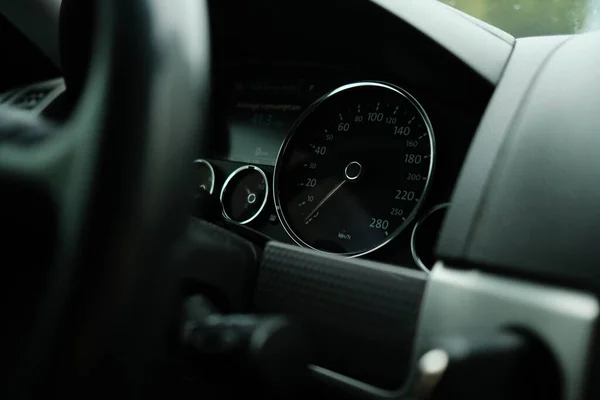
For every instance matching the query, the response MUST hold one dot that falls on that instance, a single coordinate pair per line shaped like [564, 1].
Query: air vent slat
[31, 98]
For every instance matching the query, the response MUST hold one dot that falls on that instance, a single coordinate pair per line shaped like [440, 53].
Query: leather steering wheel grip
[116, 174]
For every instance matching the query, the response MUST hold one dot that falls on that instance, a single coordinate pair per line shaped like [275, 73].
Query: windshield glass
[523, 18]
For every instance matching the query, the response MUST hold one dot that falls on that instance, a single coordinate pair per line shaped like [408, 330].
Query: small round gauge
[424, 236]
[244, 194]
[204, 175]
[355, 169]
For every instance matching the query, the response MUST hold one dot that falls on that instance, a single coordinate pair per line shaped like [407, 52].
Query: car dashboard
[311, 135]
[265, 112]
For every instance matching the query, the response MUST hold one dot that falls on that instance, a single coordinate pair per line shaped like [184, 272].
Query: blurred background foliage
[523, 18]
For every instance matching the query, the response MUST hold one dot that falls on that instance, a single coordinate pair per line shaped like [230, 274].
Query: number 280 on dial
[355, 169]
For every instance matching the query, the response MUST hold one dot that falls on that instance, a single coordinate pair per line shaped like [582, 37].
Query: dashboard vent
[30, 99]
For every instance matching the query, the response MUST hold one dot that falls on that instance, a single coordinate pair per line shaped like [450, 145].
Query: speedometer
[355, 168]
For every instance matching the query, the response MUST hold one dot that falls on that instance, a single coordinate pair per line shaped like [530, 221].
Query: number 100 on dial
[355, 169]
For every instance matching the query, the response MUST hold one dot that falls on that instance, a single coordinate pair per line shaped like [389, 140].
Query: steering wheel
[105, 197]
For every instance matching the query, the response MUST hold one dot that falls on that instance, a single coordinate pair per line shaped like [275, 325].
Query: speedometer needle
[324, 200]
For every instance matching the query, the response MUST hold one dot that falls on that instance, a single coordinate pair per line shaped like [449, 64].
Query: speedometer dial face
[355, 168]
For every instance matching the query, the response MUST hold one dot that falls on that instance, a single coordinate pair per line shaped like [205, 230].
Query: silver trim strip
[462, 301]
[458, 301]
[350, 385]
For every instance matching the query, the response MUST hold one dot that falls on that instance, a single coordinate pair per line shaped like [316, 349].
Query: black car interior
[344, 199]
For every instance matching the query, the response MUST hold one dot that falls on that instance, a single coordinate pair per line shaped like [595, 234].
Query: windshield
[523, 18]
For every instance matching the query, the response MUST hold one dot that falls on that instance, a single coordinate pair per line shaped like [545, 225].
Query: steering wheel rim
[116, 173]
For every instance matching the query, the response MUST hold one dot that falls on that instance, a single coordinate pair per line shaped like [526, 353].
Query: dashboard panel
[259, 105]
[264, 82]
[262, 104]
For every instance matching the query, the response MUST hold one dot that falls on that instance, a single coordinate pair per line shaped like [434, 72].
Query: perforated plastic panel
[361, 316]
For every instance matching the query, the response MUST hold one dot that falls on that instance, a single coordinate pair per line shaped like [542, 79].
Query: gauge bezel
[278, 165]
[212, 171]
[413, 246]
[228, 180]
